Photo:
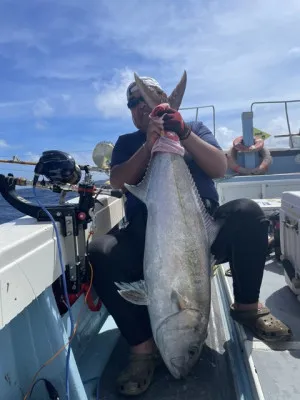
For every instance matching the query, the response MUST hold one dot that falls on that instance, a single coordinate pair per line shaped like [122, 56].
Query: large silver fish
[177, 258]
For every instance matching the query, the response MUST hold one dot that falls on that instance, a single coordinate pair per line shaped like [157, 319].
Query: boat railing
[285, 102]
[197, 113]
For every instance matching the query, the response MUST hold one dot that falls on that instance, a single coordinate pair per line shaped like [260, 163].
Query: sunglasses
[134, 101]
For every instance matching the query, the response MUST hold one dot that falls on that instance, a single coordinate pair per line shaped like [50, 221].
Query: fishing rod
[16, 160]
[101, 156]
[102, 189]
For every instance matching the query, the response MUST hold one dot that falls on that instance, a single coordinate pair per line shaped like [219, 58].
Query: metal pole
[285, 102]
[288, 124]
[214, 119]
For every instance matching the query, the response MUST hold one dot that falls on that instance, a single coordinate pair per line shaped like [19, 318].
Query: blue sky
[65, 66]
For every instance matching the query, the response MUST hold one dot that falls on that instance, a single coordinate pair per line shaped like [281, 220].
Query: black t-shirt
[128, 144]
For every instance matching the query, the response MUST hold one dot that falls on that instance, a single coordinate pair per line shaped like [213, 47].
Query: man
[119, 257]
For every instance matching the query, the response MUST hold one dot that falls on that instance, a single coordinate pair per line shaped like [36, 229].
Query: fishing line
[67, 380]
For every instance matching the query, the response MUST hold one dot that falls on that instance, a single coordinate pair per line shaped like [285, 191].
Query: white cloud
[24, 36]
[41, 125]
[111, 100]
[66, 97]
[278, 126]
[12, 104]
[42, 108]
[30, 156]
[3, 144]
[230, 52]
[225, 136]
[295, 51]
[14, 109]
[82, 157]
[85, 158]
[234, 53]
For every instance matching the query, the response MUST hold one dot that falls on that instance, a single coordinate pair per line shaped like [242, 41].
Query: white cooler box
[290, 239]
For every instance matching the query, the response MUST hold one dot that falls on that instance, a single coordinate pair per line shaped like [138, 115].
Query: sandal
[137, 376]
[262, 324]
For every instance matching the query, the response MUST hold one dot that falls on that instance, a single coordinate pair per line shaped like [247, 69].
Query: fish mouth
[178, 367]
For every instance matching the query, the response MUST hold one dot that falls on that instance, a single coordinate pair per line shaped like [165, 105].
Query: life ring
[260, 170]
[238, 144]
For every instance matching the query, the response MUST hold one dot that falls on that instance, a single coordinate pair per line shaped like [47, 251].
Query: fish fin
[213, 260]
[153, 96]
[215, 269]
[212, 227]
[176, 96]
[179, 301]
[141, 189]
[213, 266]
[135, 292]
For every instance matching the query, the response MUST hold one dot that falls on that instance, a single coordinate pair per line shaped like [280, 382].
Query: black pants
[243, 241]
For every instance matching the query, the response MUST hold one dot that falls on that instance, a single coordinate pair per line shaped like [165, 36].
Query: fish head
[180, 339]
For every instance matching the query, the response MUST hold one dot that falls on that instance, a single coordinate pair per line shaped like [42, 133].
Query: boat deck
[211, 373]
[233, 364]
[278, 365]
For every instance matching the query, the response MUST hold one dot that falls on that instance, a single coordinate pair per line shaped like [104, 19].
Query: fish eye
[192, 351]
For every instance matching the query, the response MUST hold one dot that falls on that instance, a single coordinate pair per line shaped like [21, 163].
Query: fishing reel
[58, 167]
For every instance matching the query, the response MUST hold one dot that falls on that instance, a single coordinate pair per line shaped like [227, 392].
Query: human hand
[153, 133]
[172, 121]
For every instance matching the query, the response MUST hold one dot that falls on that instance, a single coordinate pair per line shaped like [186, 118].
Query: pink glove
[172, 121]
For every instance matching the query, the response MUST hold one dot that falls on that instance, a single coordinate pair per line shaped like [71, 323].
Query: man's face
[139, 110]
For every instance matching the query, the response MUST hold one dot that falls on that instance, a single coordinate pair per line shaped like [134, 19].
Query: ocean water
[46, 197]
